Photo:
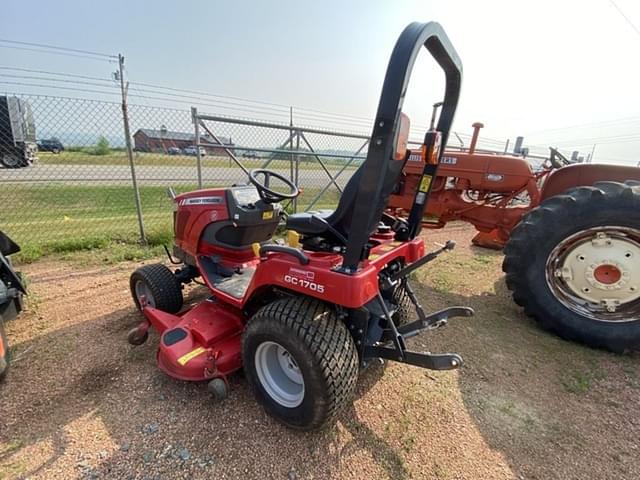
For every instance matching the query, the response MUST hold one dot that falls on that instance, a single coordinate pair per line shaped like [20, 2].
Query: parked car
[193, 150]
[174, 151]
[52, 145]
[250, 154]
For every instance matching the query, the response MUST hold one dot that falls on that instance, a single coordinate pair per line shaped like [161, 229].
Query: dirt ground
[81, 403]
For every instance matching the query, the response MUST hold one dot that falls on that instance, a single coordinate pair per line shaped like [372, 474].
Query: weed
[440, 472]
[483, 259]
[577, 382]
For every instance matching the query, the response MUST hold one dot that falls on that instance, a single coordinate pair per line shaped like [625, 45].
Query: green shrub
[102, 147]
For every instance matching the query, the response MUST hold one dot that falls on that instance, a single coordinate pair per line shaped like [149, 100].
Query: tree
[102, 147]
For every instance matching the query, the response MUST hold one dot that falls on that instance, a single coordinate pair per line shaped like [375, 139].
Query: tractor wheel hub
[279, 374]
[595, 269]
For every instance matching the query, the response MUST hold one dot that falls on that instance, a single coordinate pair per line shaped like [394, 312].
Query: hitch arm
[433, 361]
[433, 320]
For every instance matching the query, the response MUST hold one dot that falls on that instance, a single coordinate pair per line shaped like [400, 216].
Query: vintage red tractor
[570, 232]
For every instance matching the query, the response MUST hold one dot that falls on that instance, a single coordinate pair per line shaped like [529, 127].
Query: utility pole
[127, 138]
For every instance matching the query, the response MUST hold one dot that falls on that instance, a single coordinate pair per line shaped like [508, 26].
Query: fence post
[297, 171]
[196, 126]
[127, 139]
[292, 159]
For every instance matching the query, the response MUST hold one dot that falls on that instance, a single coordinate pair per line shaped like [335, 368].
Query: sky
[559, 73]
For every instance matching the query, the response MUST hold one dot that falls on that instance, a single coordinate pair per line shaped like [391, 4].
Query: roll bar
[372, 196]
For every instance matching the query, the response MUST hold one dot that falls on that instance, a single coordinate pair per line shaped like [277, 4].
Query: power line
[46, 72]
[66, 80]
[278, 105]
[625, 17]
[613, 122]
[61, 49]
[23, 84]
[58, 53]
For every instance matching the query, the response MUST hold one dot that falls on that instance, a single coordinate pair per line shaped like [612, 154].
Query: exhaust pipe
[476, 133]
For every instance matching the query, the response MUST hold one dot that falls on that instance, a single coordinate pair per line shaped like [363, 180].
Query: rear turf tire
[323, 353]
[536, 281]
[160, 287]
[4, 351]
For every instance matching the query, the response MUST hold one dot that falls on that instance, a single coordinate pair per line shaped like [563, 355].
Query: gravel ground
[81, 403]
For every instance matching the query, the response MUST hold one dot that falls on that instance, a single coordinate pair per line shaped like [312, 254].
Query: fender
[561, 180]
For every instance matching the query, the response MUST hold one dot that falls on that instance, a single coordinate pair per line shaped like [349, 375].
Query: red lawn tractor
[570, 232]
[302, 319]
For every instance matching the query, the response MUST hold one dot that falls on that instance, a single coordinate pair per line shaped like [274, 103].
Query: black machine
[12, 290]
[18, 146]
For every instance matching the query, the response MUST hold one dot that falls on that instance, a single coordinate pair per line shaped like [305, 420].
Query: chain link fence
[77, 186]
[70, 180]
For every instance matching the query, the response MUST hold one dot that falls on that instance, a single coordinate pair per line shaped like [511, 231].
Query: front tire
[572, 263]
[300, 361]
[159, 287]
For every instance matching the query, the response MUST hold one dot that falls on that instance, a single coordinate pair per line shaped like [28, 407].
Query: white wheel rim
[143, 290]
[596, 273]
[279, 374]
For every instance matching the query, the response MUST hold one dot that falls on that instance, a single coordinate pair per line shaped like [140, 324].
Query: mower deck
[201, 344]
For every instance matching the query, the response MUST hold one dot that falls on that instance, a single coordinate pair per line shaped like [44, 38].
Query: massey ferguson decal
[304, 279]
[202, 201]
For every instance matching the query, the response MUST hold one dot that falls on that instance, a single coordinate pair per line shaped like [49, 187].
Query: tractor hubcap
[279, 374]
[143, 290]
[595, 273]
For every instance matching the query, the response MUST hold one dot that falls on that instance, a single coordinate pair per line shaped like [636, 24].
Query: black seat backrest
[342, 217]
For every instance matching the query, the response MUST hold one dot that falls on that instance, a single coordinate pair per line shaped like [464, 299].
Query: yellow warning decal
[183, 360]
[425, 183]
[374, 256]
[267, 215]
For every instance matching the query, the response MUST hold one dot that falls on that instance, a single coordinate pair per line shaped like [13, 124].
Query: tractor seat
[336, 224]
[320, 224]
[306, 224]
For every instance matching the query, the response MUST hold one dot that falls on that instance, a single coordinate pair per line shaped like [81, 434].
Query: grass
[61, 219]
[86, 156]
[580, 380]
[577, 382]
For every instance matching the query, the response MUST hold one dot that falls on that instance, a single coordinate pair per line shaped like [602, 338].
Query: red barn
[159, 141]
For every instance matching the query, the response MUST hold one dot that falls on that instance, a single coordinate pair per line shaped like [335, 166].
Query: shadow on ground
[83, 403]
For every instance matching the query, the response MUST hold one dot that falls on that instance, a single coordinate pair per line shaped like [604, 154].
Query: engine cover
[229, 219]
[487, 172]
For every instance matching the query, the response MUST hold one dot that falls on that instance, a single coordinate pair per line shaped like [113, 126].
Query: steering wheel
[557, 159]
[267, 194]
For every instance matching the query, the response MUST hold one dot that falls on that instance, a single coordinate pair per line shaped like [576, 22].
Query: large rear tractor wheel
[300, 361]
[573, 263]
[4, 351]
[158, 286]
